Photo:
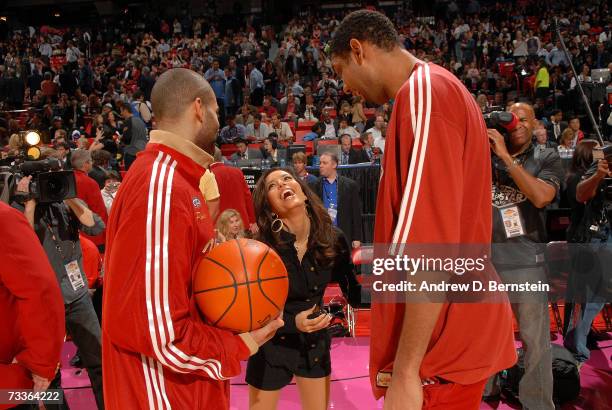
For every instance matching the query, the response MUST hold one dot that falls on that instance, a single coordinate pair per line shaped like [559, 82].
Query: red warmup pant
[453, 396]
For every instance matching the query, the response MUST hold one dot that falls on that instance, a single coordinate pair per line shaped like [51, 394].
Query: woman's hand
[311, 325]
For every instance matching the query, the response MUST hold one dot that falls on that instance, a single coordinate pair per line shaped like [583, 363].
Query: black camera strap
[57, 243]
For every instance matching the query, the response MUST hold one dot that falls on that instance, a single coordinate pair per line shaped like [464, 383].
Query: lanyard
[57, 242]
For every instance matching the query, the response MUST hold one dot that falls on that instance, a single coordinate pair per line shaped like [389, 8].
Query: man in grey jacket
[134, 136]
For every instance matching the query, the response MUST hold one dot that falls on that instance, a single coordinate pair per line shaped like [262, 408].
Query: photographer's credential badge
[511, 217]
[74, 275]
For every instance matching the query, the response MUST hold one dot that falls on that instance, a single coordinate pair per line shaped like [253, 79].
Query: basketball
[241, 285]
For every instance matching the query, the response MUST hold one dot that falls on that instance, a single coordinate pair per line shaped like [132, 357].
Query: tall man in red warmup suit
[435, 188]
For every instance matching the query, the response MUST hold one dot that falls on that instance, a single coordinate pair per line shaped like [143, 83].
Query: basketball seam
[261, 280]
[235, 286]
[246, 277]
[239, 284]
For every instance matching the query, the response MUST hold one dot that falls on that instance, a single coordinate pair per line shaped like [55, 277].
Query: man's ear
[357, 53]
[199, 109]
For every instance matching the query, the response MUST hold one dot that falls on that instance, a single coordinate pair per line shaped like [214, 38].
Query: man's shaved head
[523, 106]
[523, 133]
[175, 90]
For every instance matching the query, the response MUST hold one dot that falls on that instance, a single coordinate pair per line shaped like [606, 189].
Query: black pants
[257, 97]
[83, 326]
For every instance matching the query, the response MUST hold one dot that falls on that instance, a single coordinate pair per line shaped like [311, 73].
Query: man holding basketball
[435, 188]
[157, 352]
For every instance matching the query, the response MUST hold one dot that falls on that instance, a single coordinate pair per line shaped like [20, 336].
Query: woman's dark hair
[583, 156]
[322, 235]
[273, 138]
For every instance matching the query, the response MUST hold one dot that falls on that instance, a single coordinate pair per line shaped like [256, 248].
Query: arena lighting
[3, 18]
[29, 141]
[32, 138]
[33, 153]
[56, 15]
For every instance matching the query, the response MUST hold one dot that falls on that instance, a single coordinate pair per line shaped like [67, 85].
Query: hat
[57, 118]
[76, 134]
[108, 105]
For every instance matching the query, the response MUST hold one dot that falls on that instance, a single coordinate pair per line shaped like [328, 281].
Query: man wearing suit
[350, 155]
[556, 126]
[340, 196]
[244, 152]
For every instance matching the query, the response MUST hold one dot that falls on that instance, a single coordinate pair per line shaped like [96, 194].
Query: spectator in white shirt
[45, 48]
[377, 129]
[111, 185]
[344, 128]
[281, 129]
[72, 54]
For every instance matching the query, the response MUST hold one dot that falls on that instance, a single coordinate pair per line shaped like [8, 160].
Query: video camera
[503, 121]
[49, 183]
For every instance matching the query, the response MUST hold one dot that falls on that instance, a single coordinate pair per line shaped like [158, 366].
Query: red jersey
[32, 319]
[234, 192]
[436, 188]
[91, 260]
[89, 191]
[157, 352]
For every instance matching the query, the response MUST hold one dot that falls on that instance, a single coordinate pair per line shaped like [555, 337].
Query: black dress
[291, 352]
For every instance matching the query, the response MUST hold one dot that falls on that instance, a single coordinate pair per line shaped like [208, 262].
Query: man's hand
[404, 393]
[603, 169]
[24, 184]
[40, 383]
[498, 144]
[253, 228]
[306, 325]
[266, 333]
[356, 244]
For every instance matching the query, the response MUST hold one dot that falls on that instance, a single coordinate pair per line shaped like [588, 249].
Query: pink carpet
[350, 384]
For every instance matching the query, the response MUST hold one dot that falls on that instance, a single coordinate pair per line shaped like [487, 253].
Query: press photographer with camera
[523, 184]
[57, 224]
[591, 265]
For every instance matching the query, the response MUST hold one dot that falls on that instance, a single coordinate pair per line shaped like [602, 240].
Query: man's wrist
[406, 376]
[511, 162]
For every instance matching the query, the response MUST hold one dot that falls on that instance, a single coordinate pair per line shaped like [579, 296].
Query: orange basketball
[240, 285]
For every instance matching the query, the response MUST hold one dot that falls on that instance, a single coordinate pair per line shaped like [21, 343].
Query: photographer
[523, 184]
[594, 228]
[57, 225]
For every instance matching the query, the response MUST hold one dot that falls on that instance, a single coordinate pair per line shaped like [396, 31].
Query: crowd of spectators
[95, 82]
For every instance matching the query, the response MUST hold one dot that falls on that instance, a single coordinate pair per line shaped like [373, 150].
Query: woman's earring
[277, 224]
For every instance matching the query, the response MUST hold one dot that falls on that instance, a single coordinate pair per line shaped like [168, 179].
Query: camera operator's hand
[23, 185]
[603, 169]
[498, 144]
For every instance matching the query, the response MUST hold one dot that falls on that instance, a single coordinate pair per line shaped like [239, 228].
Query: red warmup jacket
[234, 191]
[31, 306]
[89, 191]
[435, 188]
[157, 352]
[92, 261]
